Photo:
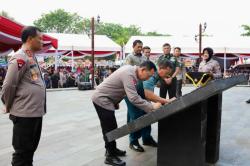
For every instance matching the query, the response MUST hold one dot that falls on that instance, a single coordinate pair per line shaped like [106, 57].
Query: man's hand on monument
[156, 106]
[167, 101]
[172, 99]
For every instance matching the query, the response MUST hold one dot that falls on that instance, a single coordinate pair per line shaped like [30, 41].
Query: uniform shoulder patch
[20, 63]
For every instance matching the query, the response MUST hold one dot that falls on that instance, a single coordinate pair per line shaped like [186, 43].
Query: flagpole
[225, 62]
[72, 62]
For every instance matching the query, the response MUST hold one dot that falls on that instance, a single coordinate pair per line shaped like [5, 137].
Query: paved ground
[72, 137]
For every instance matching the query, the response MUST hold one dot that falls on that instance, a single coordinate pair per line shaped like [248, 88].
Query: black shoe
[248, 101]
[117, 152]
[150, 142]
[136, 147]
[114, 160]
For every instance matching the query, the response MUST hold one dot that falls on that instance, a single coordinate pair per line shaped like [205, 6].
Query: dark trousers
[135, 113]
[170, 89]
[26, 137]
[178, 88]
[108, 123]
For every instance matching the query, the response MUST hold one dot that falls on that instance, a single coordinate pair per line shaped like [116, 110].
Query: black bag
[84, 86]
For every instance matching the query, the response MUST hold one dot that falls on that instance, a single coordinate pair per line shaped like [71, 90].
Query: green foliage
[246, 29]
[60, 21]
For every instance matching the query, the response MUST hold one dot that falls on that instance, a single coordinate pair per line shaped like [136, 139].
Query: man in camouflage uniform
[181, 77]
[169, 86]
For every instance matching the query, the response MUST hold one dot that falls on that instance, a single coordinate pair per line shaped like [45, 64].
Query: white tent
[72, 41]
[155, 43]
[75, 46]
[234, 45]
[81, 42]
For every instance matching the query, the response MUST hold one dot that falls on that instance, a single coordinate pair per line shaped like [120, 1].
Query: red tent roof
[10, 33]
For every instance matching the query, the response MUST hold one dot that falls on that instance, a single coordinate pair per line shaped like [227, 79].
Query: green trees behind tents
[246, 29]
[60, 21]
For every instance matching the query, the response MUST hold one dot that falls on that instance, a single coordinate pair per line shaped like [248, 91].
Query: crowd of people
[235, 72]
[64, 77]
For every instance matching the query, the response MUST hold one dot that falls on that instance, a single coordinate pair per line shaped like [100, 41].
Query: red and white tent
[10, 37]
[75, 46]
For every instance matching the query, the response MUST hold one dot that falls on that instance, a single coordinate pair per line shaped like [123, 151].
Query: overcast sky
[176, 17]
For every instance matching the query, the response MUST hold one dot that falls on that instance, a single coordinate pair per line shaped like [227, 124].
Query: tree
[119, 33]
[246, 29]
[116, 32]
[5, 14]
[60, 21]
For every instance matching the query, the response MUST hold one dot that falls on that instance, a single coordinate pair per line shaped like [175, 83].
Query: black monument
[188, 128]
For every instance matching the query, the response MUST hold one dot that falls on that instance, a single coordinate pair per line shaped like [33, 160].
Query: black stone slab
[198, 95]
[191, 137]
[214, 107]
[182, 139]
